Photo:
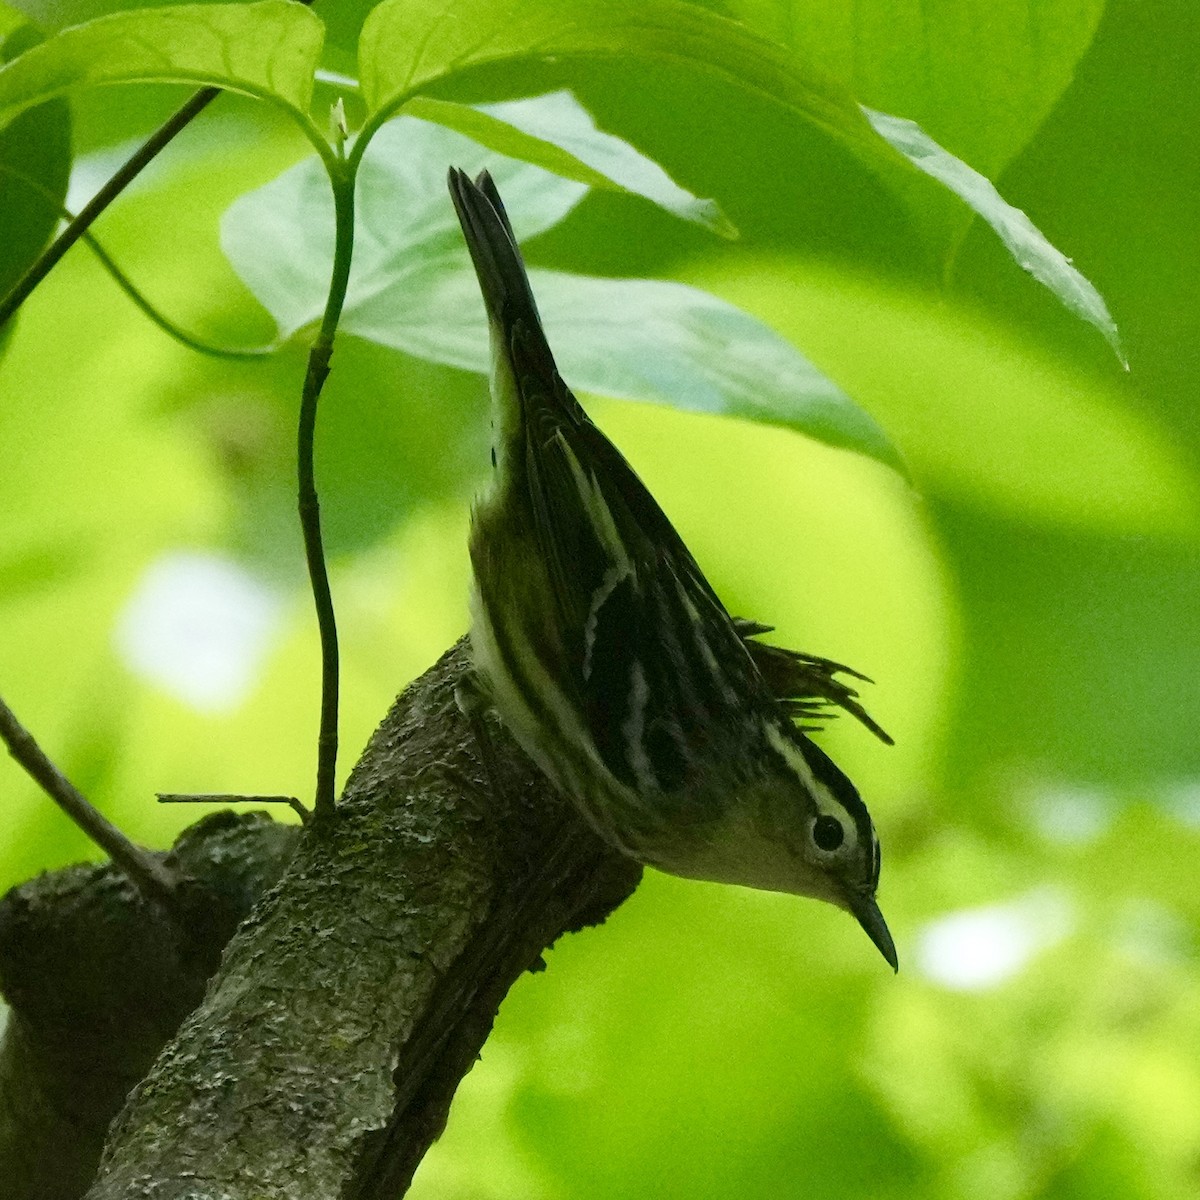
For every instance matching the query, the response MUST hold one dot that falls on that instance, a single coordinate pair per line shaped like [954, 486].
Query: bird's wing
[653, 659]
[653, 653]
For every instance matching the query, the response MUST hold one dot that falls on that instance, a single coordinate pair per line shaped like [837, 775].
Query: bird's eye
[827, 833]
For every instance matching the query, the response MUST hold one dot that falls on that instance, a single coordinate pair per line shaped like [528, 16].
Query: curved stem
[363, 138]
[169, 327]
[135, 294]
[341, 176]
[375, 122]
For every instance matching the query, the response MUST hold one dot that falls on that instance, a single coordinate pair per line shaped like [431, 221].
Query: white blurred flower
[1070, 813]
[198, 626]
[979, 948]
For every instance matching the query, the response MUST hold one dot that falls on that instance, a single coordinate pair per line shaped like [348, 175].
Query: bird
[606, 653]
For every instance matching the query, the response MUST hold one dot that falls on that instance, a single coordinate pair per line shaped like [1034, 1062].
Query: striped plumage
[607, 654]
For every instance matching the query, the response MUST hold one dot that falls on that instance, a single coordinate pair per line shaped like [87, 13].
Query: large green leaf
[980, 75]
[412, 288]
[269, 49]
[343, 20]
[280, 236]
[633, 339]
[53, 15]
[408, 45]
[1025, 242]
[555, 131]
[981, 416]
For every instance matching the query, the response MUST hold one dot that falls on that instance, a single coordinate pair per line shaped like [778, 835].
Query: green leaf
[10, 20]
[279, 237]
[1025, 242]
[35, 164]
[269, 49]
[412, 289]
[981, 77]
[407, 45]
[633, 339]
[981, 415]
[555, 131]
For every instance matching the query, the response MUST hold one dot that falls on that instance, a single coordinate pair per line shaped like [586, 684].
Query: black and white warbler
[609, 657]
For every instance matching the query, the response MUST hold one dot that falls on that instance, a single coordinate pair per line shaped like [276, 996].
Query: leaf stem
[150, 877]
[341, 176]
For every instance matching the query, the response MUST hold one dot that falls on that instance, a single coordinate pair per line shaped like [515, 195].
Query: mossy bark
[323, 1057]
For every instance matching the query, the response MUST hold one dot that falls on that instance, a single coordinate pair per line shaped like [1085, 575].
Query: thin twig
[229, 798]
[149, 876]
[314, 554]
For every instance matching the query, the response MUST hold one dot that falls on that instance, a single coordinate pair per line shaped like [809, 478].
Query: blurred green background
[1027, 604]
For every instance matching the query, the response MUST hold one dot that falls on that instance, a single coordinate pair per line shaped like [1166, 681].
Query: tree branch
[98, 979]
[322, 1061]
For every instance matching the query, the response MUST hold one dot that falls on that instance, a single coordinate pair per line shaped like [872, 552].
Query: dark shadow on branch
[98, 978]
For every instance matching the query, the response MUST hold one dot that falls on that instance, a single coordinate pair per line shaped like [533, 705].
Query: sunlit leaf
[280, 237]
[982, 78]
[633, 339]
[407, 45]
[10, 20]
[980, 414]
[269, 49]
[412, 289]
[555, 131]
[1025, 242]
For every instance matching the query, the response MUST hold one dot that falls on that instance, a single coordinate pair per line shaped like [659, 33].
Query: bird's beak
[863, 906]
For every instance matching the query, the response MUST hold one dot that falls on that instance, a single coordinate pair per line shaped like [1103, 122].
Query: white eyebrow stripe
[794, 759]
[827, 803]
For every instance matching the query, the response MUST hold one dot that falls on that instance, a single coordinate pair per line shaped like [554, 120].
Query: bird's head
[833, 848]
[799, 826]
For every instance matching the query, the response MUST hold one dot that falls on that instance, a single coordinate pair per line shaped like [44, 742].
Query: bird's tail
[528, 397]
[498, 262]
